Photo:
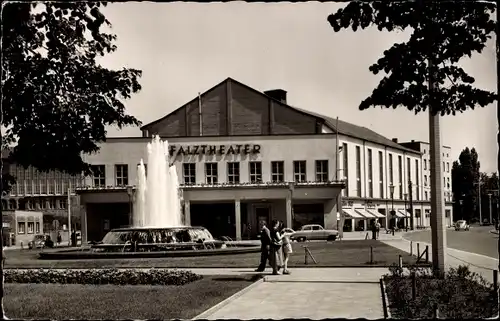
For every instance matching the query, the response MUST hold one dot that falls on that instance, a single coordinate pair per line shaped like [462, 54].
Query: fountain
[157, 228]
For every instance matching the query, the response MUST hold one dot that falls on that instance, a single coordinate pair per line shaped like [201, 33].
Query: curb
[385, 301]
[225, 302]
[494, 232]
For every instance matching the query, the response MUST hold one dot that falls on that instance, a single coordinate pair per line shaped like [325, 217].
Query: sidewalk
[481, 264]
[317, 293]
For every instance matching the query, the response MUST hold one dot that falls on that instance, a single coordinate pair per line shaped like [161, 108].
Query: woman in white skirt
[287, 249]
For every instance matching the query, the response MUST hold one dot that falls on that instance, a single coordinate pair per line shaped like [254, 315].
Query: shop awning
[375, 213]
[363, 212]
[401, 213]
[350, 213]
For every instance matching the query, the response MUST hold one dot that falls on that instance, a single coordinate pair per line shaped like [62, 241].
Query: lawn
[328, 254]
[85, 302]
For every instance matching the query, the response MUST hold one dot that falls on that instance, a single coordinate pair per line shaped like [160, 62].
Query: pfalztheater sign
[214, 149]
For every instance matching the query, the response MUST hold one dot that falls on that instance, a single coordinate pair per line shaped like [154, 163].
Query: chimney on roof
[412, 140]
[395, 140]
[278, 94]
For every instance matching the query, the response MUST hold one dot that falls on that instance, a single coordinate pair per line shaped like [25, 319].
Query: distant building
[243, 156]
[43, 192]
[21, 226]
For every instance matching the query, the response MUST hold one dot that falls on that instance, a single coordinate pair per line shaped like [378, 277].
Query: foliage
[461, 294]
[456, 30]
[465, 174]
[57, 100]
[102, 276]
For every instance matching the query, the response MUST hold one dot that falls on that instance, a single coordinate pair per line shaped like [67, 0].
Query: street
[478, 240]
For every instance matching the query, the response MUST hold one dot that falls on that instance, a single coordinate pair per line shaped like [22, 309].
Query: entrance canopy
[401, 213]
[375, 213]
[350, 213]
[364, 213]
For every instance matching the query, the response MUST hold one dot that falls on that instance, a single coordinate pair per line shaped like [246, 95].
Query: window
[51, 187]
[400, 169]
[278, 171]
[299, 171]
[381, 173]
[358, 171]
[21, 227]
[30, 205]
[370, 173]
[233, 172]
[321, 171]
[189, 173]
[31, 227]
[417, 180]
[12, 205]
[425, 164]
[448, 167]
[121, 175]
[408, 170]
[391, 171]
[425, 180]
[255, 172]
[211, 173]
[12, 172]
[43, 183]
[20, 180]
[43, 204]
[444, 168]
[37, 227]
[29, 182]
[63, 203]
[98, 176]
[448, 182]
[345, 156]
[36, 182]
[426, 196]
[52, 204]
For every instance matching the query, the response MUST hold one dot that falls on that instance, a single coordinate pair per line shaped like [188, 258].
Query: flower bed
[102, 276]
[462, 294]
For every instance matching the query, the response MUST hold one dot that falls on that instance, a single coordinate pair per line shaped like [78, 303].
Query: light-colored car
[314, 232]
[461, 225]
[37, 242]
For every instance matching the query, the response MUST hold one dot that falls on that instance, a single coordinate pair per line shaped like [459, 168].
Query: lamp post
[461, 208]
[405, 195]
[130, 192]
[393, 214]
[479, 201]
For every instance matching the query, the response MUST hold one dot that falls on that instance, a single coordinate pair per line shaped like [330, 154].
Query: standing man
[265, 239]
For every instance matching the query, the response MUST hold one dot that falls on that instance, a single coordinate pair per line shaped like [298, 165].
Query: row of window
[233, 172]
[445, 169]
[50, 204]
[33, 228]
[416, 181]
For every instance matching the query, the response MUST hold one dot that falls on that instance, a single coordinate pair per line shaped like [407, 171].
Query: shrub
[102, 276]
[461, 294]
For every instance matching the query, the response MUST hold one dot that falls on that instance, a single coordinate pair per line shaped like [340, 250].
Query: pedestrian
[59, 238]
[378, 226]
[275, 247]
[265, 242]
[287, 249]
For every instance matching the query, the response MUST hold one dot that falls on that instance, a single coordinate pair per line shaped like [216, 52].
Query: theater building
[243, 156]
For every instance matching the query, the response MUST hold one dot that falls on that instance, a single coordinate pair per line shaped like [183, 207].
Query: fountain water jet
[158, 200]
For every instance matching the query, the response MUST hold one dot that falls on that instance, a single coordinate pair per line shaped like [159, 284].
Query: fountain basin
[154, 242]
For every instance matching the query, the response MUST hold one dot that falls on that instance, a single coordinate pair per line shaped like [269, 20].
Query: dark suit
[265, 239]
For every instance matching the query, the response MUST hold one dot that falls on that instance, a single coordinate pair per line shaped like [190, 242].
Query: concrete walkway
[313, 293]
[478, 263]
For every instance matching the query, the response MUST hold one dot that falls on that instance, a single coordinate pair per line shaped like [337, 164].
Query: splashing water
[158, 199]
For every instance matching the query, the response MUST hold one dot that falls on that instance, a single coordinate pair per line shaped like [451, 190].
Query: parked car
[314, 232]
[461, 225]
[37, 242]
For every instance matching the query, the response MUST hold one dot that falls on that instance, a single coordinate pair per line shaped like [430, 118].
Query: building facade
[20, 227]
[243, 156]
[45, 192]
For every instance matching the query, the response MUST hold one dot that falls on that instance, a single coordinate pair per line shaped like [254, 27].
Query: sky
[186, 48]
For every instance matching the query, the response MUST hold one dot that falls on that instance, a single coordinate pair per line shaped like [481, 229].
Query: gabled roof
[345, 128]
